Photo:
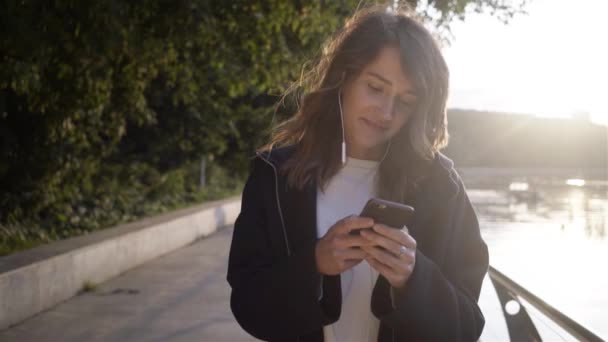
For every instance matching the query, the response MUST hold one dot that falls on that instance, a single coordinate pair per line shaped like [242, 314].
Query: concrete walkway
[181, 296]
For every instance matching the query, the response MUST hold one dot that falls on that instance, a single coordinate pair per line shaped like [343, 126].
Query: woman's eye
[404, 105]
[374, 88]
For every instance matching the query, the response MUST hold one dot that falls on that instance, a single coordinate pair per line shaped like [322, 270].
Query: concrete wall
[37, 279]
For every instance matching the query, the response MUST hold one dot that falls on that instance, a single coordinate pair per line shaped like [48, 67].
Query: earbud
[342, 123]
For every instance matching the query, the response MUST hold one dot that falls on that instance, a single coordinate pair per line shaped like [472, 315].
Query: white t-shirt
[346, 194]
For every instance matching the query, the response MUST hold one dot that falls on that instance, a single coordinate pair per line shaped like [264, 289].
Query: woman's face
[376, 104]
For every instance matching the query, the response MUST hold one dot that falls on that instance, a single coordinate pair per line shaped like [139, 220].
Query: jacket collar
[441, 164]
[446, 166]
[277, 155]
[298, 206]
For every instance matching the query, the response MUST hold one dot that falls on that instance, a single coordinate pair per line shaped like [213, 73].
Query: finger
[352, 253]
[399, 264]
[386, 258]
[349, 223]
[380, 240]
[386, 271]
[400, 236]
[355, 241]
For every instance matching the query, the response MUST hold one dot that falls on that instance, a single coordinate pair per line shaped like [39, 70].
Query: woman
[371, 125]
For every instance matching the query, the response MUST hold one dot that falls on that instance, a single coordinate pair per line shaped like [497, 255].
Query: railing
[520, 326]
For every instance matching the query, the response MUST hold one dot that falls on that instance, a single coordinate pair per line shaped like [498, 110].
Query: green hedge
[148, 193]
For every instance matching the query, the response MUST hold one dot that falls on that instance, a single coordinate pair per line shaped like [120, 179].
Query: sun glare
[549, 63]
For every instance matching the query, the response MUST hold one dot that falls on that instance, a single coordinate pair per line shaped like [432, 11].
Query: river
[554, 244]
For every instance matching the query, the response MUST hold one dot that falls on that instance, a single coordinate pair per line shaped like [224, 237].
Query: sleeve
[440, 303]
[272, 297]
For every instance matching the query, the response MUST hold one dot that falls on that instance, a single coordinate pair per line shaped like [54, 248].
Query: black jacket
[275, 284]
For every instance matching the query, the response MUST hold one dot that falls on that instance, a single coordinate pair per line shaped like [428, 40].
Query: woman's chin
[371, 147]
[376, 141]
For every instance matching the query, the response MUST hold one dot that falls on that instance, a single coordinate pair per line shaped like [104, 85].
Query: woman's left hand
[397, 259]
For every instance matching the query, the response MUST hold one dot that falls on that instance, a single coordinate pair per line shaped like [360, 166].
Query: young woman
[370, 125]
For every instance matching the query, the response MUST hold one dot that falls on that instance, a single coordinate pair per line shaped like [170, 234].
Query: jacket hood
[441, 163]
[278, 155]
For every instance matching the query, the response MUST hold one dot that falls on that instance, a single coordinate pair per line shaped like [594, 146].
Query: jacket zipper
[276, 191]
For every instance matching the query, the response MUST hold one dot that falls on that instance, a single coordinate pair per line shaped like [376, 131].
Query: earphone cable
[344, 135]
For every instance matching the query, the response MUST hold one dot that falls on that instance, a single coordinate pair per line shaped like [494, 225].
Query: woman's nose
[387, 109]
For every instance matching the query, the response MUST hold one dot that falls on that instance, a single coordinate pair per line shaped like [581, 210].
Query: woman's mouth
[374, 125]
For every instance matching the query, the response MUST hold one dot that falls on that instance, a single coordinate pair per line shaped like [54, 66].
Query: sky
[552, 61]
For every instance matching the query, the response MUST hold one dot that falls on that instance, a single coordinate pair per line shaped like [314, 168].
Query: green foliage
[118, 201]
[107, 107]
[441, 13]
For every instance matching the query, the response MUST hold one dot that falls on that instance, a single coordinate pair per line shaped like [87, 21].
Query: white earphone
[344, 136]
[342, 122]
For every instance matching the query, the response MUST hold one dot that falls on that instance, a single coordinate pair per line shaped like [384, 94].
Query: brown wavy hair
[316, 129]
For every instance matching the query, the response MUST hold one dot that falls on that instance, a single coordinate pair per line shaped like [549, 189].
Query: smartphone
[392, 214]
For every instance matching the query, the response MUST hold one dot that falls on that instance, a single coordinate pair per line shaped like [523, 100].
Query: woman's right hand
[337, 250]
